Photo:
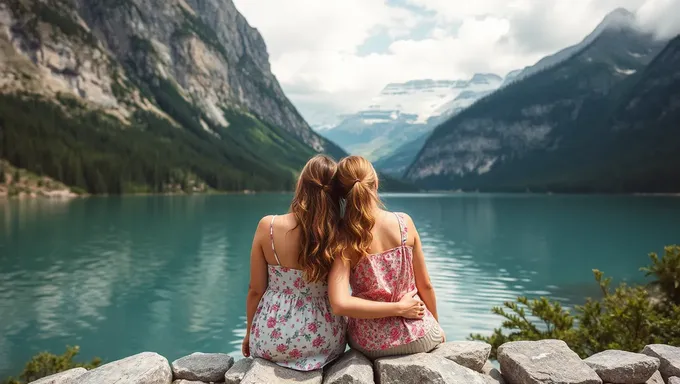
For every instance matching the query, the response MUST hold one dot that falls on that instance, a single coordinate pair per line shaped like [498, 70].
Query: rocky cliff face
[207, 48]
[49, 50]
[193, 63]
[543, 132]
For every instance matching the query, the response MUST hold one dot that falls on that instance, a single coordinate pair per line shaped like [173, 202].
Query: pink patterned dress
[386, 277]
[293, 325]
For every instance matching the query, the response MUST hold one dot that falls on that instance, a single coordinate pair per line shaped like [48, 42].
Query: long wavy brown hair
[356, 182]
[317, 213]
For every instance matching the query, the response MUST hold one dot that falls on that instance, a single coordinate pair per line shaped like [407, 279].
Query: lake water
[169, 274]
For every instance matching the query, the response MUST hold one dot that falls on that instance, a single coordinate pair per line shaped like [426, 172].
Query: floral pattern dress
[293, 325]
[386, 277]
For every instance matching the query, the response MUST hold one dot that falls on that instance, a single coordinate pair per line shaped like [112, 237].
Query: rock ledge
[521, 362]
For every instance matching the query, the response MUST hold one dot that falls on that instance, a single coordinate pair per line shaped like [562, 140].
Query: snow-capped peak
[425, 98]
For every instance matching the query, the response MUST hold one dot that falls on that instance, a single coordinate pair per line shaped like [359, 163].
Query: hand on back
[412, 308]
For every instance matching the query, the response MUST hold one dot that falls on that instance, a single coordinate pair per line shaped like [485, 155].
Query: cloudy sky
[332, 56]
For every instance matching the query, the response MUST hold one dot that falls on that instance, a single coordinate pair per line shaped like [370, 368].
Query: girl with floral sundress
[379, 255]
[289, 317]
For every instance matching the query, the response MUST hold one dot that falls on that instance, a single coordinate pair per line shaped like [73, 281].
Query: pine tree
[99, 184]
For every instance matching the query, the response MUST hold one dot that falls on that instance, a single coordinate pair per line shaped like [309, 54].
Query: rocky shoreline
[521, 362]
[19, 183]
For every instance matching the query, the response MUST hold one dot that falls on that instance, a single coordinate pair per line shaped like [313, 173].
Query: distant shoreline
[458, 192]
[72, 196]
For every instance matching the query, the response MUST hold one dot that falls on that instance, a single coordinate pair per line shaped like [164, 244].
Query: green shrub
[45, 364]
[667, 273]
[625, 318]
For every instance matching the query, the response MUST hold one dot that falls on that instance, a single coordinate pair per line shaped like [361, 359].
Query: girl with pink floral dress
[378, 254]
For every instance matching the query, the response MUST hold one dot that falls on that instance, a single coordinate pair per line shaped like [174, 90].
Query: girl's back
[379, 255]
[387, 275]
[293, 324]
[288, 313]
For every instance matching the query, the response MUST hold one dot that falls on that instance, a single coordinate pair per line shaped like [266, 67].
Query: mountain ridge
[525, 135]
[187, 80]
[618, 18]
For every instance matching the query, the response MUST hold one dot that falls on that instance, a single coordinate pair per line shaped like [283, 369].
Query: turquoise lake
[118, 276]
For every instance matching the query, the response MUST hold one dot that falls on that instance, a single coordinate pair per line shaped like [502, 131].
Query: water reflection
[170, 274]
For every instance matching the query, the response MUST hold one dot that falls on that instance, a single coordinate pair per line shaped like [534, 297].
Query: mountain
[512, 76]
[405, 111]
[146, 95]
[567, 127]
[639, 149]
[619, 19]
[400, 158]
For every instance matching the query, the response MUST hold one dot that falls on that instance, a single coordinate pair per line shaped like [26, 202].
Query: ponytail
[356, 182]
[316, 212]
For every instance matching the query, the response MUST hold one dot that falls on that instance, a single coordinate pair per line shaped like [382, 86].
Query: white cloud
[314, 45]
[316, 26]
[661, 17]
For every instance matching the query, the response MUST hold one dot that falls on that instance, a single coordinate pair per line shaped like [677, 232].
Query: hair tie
[357, 181]
[321, 186]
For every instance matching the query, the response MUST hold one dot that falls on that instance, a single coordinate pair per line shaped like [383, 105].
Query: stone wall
[521, 362]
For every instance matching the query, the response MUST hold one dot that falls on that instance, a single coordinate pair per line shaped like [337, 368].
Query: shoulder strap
[271, 237]
[403, 230]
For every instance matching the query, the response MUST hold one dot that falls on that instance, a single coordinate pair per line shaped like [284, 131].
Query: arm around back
[344, 304]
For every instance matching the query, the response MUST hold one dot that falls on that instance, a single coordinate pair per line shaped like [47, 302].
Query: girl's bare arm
[423, 283]
[344, 304]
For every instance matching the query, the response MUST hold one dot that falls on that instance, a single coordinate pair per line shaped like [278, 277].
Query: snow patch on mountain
[624, 71]
[416, 101]
[402, 112]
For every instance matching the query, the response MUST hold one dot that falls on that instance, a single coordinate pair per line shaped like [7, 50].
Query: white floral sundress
[294, 326]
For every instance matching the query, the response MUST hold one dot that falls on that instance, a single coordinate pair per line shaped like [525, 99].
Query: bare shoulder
[282, 223]
[287, 217]
[408, 221]
[264, 223]
[286, 221]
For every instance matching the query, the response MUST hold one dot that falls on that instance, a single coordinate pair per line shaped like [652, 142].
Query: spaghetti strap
[271, 237]
[403, 230]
